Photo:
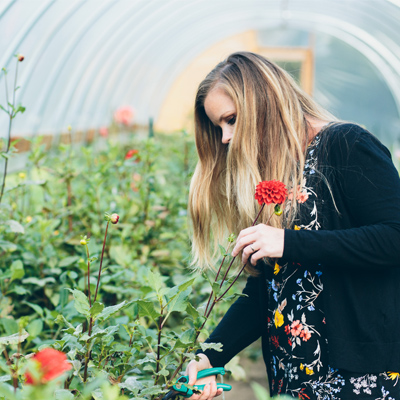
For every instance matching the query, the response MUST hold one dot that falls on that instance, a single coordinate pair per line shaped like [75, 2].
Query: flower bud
[22, 175]
[83, 242]
[28, 219]
[278, 210]
[20, 57]
[114, 218]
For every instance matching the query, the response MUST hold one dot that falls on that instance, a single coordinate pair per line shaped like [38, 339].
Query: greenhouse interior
[101, 136]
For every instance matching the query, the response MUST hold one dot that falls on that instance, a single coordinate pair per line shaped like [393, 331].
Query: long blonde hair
[269, 139]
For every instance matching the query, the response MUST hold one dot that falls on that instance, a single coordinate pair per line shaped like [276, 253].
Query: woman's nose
[226, 137]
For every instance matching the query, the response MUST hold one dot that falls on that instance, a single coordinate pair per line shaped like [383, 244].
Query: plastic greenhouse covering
[83, 59]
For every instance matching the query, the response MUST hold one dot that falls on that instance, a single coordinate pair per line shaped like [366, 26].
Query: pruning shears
[181, 390]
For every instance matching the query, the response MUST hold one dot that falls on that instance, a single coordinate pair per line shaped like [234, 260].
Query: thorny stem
[101, 262]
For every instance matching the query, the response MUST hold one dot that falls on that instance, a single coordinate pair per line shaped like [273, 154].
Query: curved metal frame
[143, 47]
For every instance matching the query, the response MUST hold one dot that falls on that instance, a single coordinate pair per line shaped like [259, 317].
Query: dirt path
[255, 372]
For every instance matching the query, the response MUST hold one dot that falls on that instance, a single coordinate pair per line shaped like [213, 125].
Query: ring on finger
[252, 248]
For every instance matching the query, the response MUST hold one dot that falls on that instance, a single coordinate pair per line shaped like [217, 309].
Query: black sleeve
[239, 327]
[367, 189]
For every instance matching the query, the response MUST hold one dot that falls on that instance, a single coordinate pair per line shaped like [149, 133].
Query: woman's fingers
[210, 389]
[259, 241]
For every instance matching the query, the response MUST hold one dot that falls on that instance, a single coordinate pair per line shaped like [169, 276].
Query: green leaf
[81, 302]
[67, 261]
[15, 226]
[216, 289]
[38, 309]
[7, 392]
[14, 339]
[110, 311]
[39, 282]
[96, 308]
[155, 281]
[63, 394]
[192, 311]
[152, 390]
[179, 302]
[180, 288]
[62, 320]
[10, 325]
[7, 246]
[35, 328]
[188, 337]
[222, 250]
[17, 270]
[212, 346]
[146, 309]
[163, 372]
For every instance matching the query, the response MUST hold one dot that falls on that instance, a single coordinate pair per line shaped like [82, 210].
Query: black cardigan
[359, 251]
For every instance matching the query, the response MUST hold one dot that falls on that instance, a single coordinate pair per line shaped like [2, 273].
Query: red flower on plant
[52, 363]
[131, 153]
[271, 192]
[124, 115]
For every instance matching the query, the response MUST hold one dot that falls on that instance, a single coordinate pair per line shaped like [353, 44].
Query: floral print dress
[297, 326]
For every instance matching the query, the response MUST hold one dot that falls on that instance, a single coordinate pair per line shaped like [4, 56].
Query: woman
[328, 311]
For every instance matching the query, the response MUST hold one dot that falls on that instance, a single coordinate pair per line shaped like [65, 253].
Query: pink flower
[296, 328]
[301, 196]
[305, 334]
[20, 57]
[103, 131]
[124, 115]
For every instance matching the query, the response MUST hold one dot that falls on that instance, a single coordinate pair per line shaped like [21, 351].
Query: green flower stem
[101, 261]
[11, 116]
[69, 203]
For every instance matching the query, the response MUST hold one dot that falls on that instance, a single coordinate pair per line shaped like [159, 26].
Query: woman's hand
[259, 241]
[210, 390]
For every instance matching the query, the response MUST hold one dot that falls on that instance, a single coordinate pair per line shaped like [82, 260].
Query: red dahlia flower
[271, 192]
[51, 364]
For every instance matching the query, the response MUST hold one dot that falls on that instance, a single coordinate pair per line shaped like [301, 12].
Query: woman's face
[221, 111]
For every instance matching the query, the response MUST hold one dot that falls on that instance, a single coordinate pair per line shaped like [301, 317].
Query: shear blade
[170, 395]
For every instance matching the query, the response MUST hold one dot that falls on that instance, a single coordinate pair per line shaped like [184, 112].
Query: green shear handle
[186, 392]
